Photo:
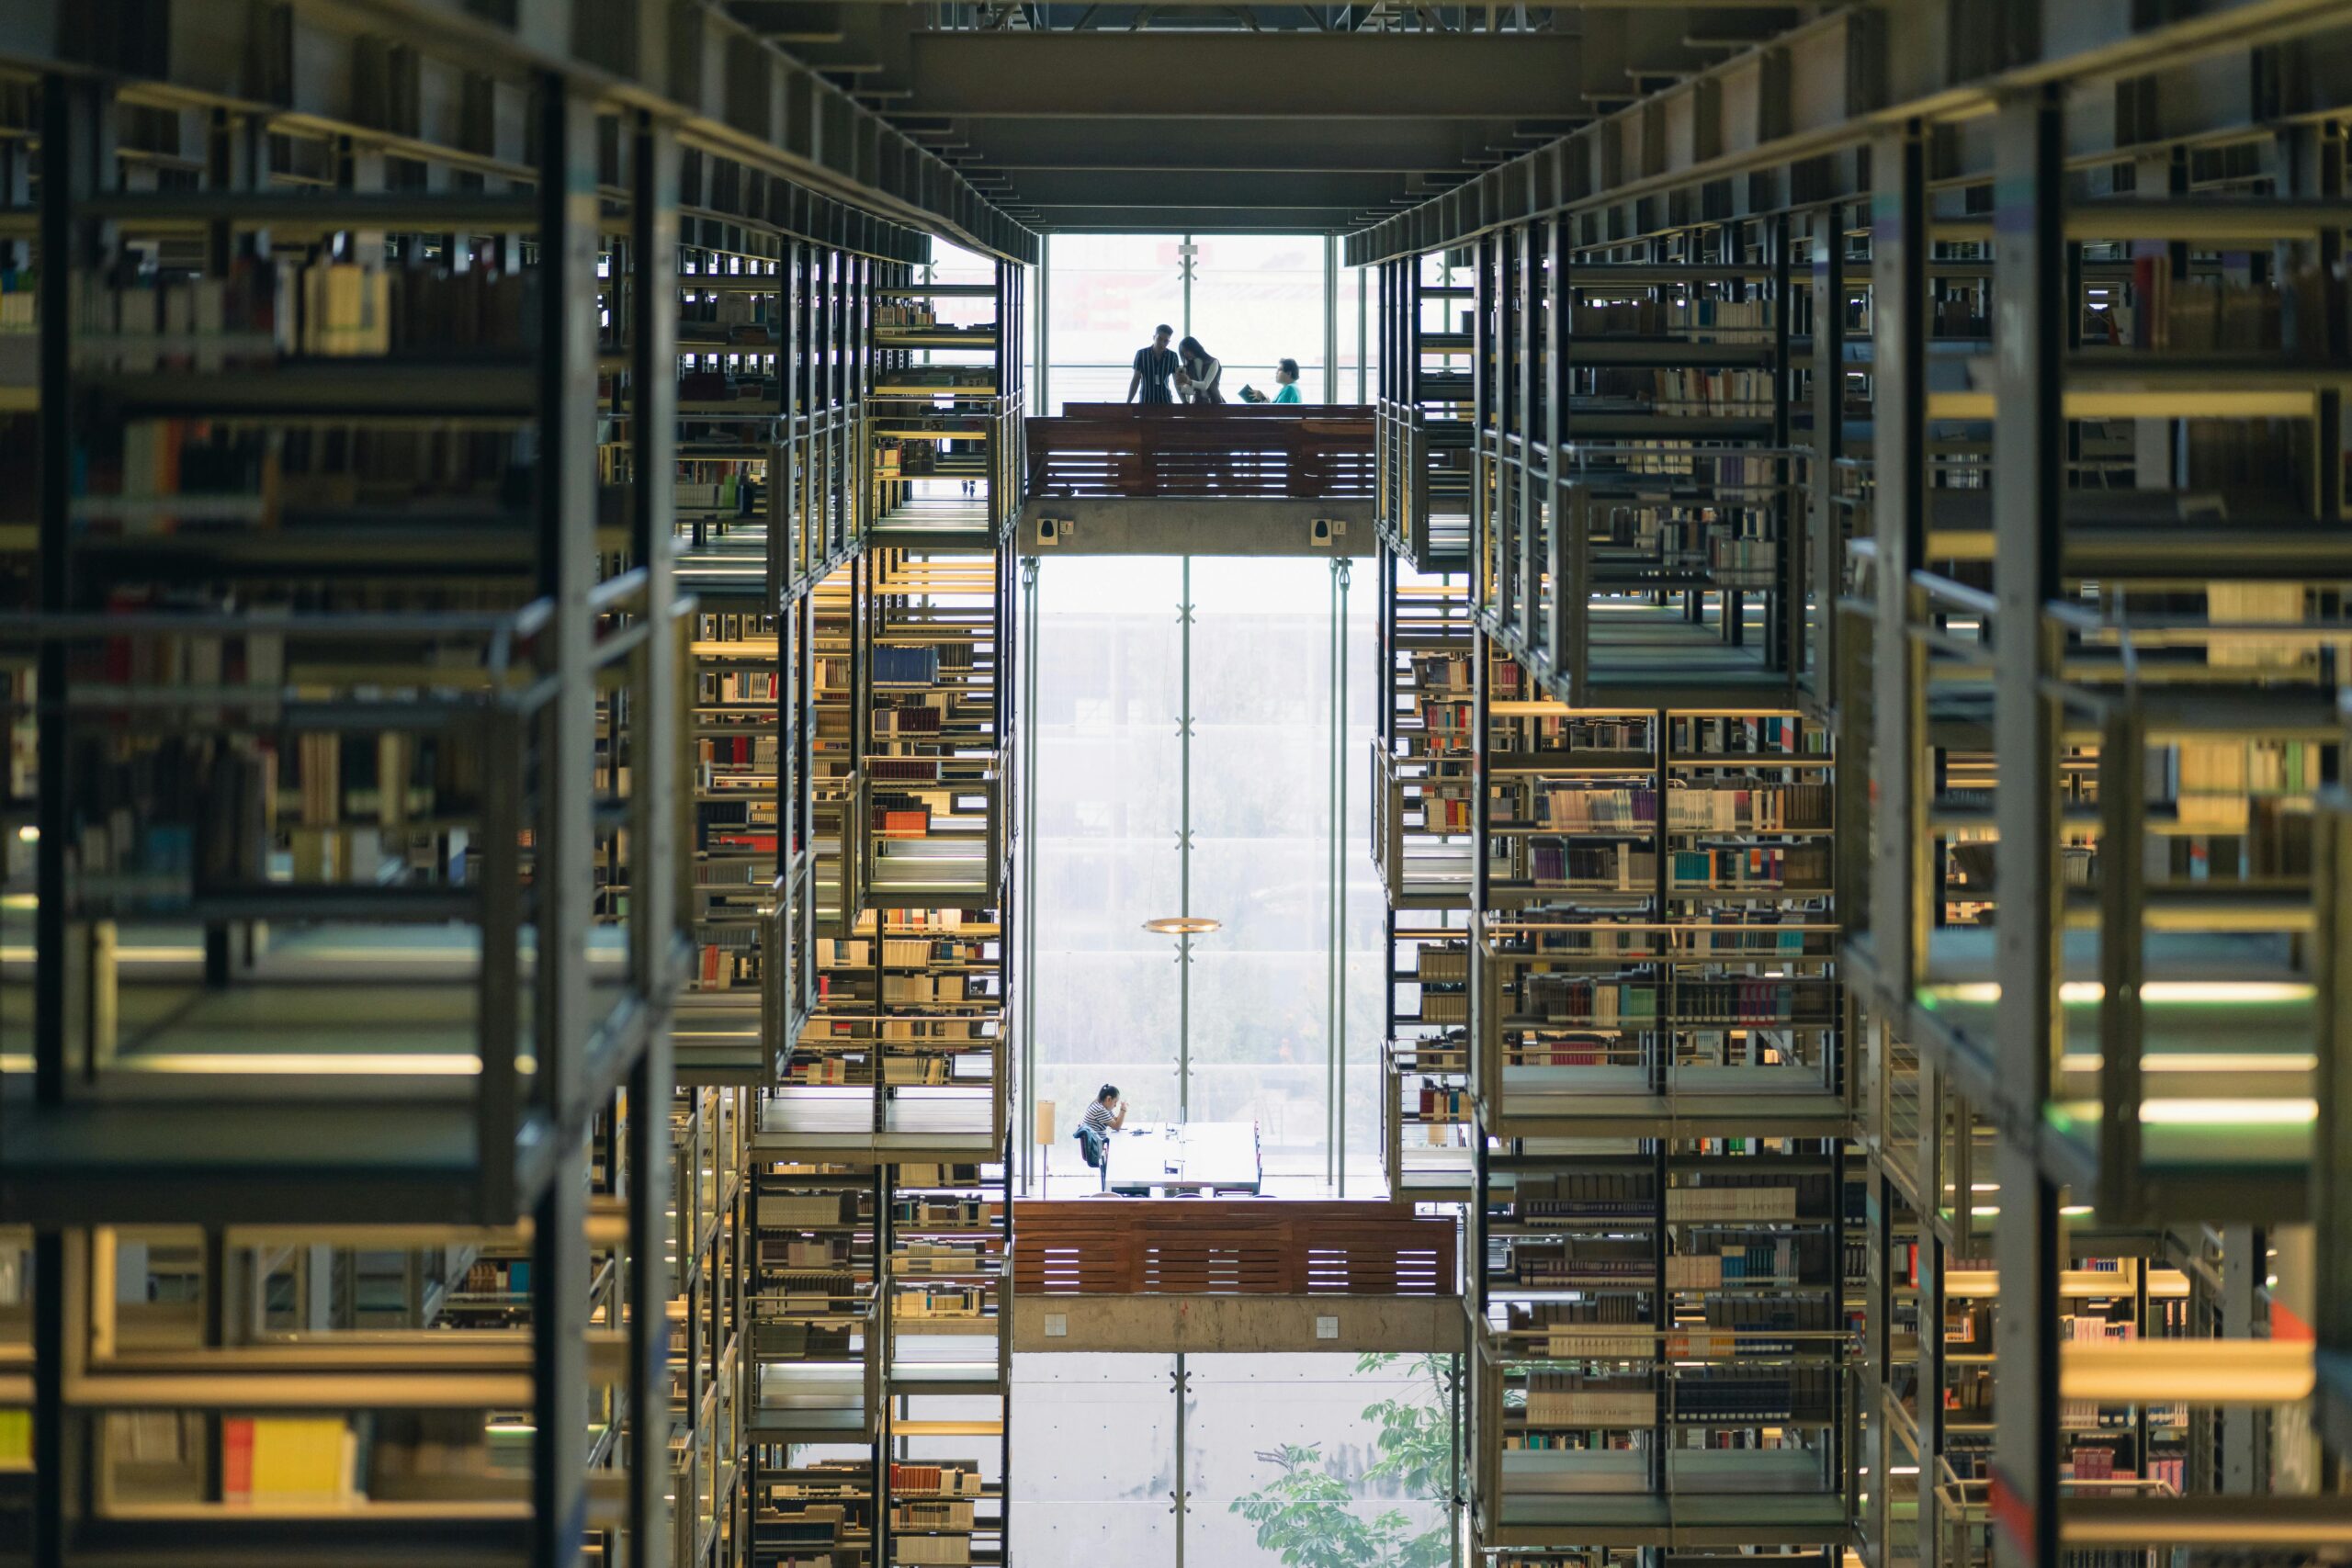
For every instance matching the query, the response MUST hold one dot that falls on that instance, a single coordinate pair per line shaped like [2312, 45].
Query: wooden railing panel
[1187, 1246]
[1232, 451]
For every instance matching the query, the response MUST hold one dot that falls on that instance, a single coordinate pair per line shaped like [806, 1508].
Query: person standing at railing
[1197, 373]
[1154, 366]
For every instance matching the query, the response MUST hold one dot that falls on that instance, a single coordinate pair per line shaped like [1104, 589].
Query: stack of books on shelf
[1601, 1003]
[1764, 808]
[1799, 868]
[1580, 1261]
[1579, 1197]
[1589, 1399]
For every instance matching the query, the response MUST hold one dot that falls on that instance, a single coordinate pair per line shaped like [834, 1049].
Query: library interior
[1016, 784]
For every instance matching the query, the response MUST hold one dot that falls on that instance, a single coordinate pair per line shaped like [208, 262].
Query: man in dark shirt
[1154, 366]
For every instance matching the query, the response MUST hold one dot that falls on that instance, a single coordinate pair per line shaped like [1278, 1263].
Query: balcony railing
[1231, 1248]
[1231, 451]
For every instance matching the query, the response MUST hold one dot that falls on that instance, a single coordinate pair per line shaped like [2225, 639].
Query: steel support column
[2029, 476]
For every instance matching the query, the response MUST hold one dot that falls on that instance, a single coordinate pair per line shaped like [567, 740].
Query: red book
[237, 1460]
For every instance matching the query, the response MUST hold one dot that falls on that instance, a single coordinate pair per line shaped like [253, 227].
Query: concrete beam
[1228, 1325]
[1190, 220]
[1366, 76]
[1114, 526]
[1050, 189]
[1442, 148]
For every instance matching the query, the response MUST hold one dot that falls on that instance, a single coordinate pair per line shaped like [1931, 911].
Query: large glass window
[1096, 1479]
[1106, 293]
[1282, 1460]
[1257, 299]
[1253, 299]
[1271, 758]
[1109, 668]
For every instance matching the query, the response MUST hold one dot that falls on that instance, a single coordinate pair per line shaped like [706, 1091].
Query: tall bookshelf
[2064, 437]
[1424, 409]
[299, 639]
[387, 438]
[947, 400]
[1423, 790]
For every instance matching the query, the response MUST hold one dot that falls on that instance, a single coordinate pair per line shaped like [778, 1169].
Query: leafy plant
[1308, 1517]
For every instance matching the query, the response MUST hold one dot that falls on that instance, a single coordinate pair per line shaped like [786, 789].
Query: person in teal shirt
[1286, 382]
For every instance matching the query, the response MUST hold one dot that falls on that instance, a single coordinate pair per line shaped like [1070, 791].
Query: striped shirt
[1156, 365]
[1098, 1116]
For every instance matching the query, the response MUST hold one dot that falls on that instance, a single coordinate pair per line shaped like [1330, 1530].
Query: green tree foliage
[1307, 1516]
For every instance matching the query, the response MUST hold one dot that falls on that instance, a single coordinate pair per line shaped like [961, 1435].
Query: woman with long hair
[1197, 373]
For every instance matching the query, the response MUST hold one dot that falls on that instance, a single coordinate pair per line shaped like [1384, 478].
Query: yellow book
[16, 1439]
[300, 1458]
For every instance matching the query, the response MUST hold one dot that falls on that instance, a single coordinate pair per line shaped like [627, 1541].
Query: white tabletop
[1195, 1155]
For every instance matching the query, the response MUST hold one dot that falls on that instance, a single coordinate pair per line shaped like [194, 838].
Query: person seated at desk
[1104, 1117]
[1285, 386]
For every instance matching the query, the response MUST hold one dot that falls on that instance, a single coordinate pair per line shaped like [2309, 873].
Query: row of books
[1550, 1197]
[1620, 868]
[1444, 1007]
[895, 665]
[1573, 808]
[1687, 392]
[713, 687]
[943, 1258]
[1601, 1002]
[1437, 1103]
[150, 477]
[1774, 808]
[946, 1212]
[1586, 1399]
[292, 1462]
[1798, 867]
[1756, 999]
[266, 308]
[788, 1209]
[1441, 963]
[1588, 1261]
[1722, 1201]
[931, 991]
[1723, 1260]
[2211, 315]
[1703, 319]
[747, 750]
[1761, 735]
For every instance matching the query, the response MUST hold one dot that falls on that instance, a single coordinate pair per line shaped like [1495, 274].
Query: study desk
[1193, 1156]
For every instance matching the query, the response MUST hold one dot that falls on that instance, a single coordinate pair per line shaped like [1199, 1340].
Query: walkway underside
[1157, 525]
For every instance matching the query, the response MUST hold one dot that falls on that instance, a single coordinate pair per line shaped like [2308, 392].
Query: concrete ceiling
[1188, 115]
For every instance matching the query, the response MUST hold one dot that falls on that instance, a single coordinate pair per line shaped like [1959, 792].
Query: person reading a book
[1154, 366]
[1285, 386]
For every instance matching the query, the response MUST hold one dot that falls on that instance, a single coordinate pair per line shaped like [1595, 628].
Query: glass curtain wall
[1251, 300]
[1108, 664]
[1279, 1459]
[1272, 756]
[1104, 294]
[1258, 299]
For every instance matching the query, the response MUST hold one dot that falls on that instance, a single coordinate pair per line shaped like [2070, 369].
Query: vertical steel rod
[1184, 827]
